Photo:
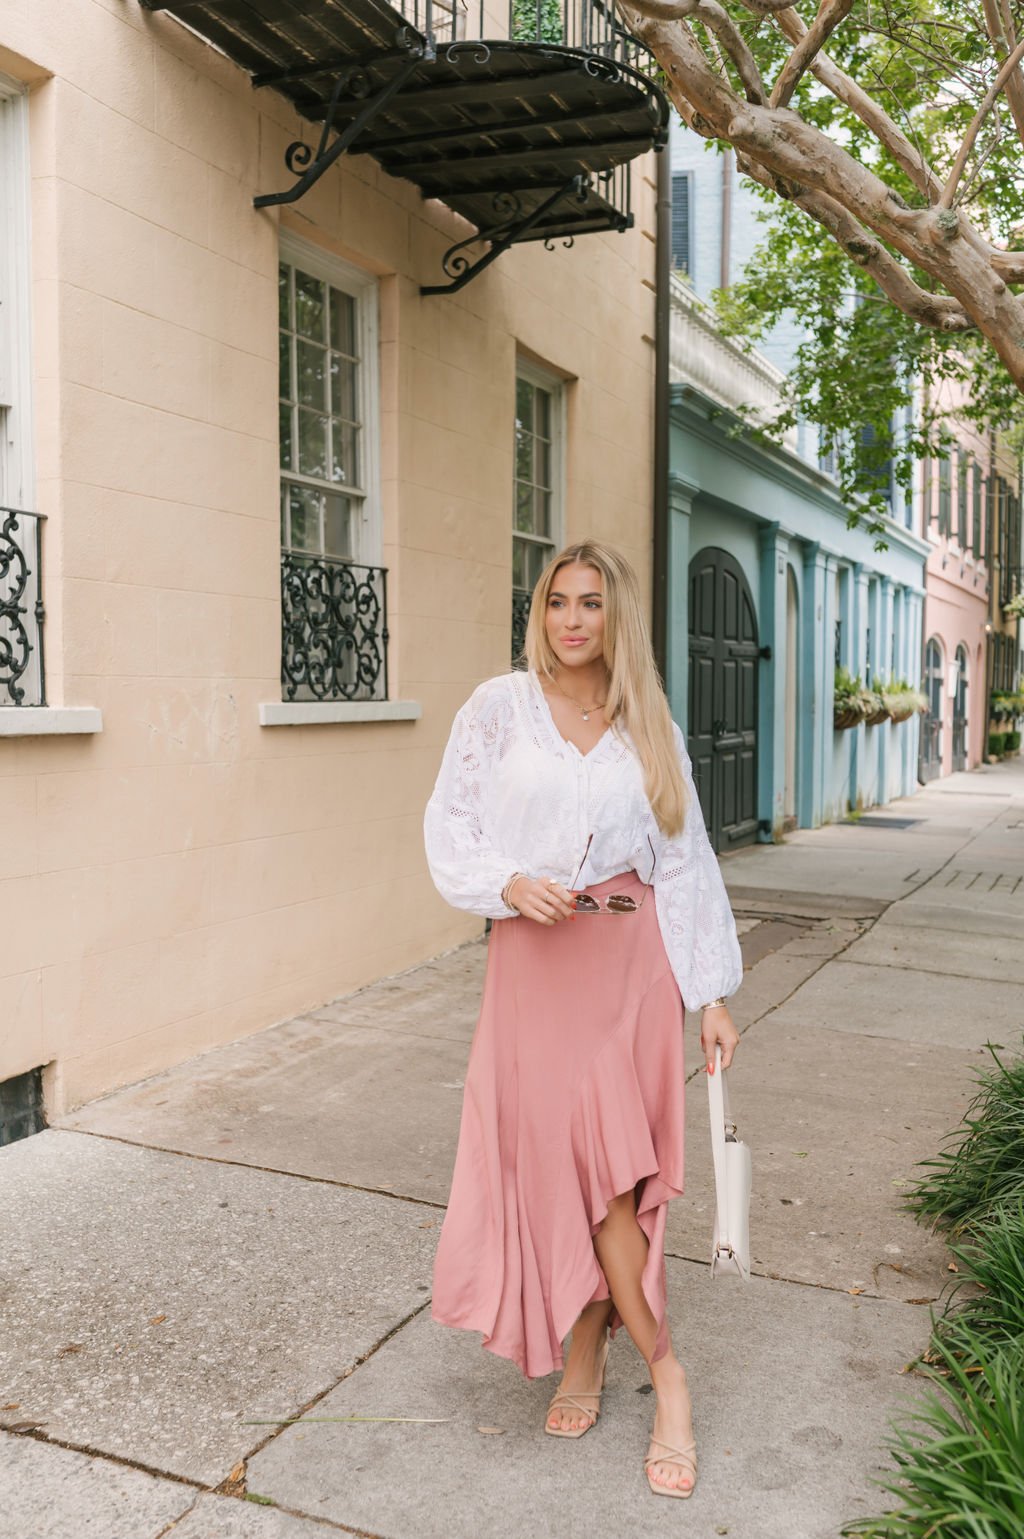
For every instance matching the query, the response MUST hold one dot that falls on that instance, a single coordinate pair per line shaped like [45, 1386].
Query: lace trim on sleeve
[466, 868]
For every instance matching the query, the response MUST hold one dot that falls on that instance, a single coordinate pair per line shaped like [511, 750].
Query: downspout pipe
[662, 273]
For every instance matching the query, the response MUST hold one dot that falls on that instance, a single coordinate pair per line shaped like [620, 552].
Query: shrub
[966, 1183]
[996, 743]
[1012, 742]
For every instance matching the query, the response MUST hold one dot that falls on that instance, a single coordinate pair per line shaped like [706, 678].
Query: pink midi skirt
[574, 1095]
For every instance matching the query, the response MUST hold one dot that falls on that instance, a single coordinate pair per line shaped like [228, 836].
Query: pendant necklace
[584, 711]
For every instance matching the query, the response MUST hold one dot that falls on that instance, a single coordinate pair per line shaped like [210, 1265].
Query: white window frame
[535, 374]
[17, 468]
[367, 542]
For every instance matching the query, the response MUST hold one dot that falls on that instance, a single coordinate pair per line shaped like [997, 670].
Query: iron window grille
[22, 675]
[334, 634]
[945, 497]
[962, 462]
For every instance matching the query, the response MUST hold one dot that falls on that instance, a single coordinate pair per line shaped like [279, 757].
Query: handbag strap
[718, 1106]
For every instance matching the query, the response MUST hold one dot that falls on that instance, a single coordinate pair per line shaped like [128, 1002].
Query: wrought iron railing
[592, 26]
[22, 680]
[334, 633]
[520, 614]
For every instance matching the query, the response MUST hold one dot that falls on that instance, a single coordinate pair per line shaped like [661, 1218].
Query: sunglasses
[615, 903]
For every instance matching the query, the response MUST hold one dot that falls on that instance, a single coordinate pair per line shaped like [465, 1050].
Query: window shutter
[681, 256]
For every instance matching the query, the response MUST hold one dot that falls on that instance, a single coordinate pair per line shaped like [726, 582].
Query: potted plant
[875, 709]
[1014, 610]
[902, 700]
[849, 704]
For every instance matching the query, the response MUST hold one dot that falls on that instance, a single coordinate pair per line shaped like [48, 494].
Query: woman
[564, 797]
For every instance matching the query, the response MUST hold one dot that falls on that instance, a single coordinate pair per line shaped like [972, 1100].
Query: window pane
[343, 322]
[285, 421]
[524, 454]
[283, 296]
[538, 560]
[542, 513]
[524, 403]
[285, 367]
[520, 575]
[337, 526]
[312, 444]
[304, 518]
[311, 363]
[343, 444]
[310, 306]
[542, 464]
[343, 388]
[524, 509]
[543, 404]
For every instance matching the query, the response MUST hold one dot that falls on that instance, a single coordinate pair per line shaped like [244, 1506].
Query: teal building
[769, 588]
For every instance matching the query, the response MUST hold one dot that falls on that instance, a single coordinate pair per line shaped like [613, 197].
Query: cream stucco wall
[187, 876]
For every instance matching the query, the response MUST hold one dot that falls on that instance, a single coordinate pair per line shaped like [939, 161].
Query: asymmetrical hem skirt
[574, 1095]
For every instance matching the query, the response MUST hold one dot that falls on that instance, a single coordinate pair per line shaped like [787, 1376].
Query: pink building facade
[960, 496]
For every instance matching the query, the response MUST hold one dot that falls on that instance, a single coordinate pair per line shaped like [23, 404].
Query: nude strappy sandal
[686, 1458]
[561, 1401]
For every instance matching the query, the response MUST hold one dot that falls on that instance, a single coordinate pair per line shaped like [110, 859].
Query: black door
[724, 653]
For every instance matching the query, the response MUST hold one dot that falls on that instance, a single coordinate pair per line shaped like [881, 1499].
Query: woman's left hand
[716, 1026]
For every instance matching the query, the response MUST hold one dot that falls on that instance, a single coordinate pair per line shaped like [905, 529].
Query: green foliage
[861, 359]
[1012, 742]
[996, 744]
[985, 1166]
[537, 21]
[960, 1457]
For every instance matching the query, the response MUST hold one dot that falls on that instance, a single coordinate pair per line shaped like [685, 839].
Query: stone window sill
[49, 720]
[316, 713]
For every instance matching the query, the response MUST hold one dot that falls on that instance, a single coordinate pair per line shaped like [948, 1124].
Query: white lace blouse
[513, 795]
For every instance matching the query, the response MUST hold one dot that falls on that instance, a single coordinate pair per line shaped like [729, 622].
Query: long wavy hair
[635, 700]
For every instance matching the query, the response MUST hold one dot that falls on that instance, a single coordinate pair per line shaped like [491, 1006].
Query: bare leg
[581, 1371]
[621, 1247]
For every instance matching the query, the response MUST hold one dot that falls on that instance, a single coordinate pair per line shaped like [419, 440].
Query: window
[945, 496]
[962, 461]
[325, 458]
[976, 504]
[538, 492]
[334, 626]
[682, 255]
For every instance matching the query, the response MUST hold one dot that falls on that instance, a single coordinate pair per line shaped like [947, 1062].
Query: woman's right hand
[546, 902]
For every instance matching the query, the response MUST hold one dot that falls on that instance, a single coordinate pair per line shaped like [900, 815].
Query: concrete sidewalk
[192, 1261]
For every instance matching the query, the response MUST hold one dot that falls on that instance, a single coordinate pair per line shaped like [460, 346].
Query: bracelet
[712, 1004]
[507, 887]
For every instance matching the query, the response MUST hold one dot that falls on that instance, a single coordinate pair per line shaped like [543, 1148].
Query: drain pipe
[662, 272]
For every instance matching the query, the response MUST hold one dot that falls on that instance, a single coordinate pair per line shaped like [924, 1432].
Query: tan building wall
[185, 875]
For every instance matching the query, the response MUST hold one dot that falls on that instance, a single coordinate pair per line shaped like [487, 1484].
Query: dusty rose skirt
[574, 1094]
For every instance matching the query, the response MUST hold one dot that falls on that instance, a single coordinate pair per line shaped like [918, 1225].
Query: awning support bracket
[512, 226]
[412, 50]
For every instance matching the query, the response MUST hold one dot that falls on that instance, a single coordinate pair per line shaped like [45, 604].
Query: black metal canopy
[529, 136]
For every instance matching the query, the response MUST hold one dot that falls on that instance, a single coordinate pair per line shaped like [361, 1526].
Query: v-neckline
[567, 742]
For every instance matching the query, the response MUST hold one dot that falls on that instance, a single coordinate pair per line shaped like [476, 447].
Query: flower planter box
[902, 715]
[877, 717]
[848, 716]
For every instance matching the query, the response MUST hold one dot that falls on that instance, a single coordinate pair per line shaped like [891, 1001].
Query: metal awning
[528, 137]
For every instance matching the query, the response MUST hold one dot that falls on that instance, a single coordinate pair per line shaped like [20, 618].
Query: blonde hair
[635, 700]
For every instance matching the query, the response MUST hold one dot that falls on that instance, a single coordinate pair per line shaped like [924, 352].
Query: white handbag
[730, 1248]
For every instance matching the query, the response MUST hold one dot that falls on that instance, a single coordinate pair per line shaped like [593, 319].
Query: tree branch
[999, 26]
[872, 115]
[949, 191]
[936, 311]
[718, 21]
[830, 14]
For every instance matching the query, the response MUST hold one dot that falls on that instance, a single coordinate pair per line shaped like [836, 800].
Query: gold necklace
[584, 711]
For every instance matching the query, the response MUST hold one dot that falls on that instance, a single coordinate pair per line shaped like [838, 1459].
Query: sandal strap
[560, 1400]
[686, 1456]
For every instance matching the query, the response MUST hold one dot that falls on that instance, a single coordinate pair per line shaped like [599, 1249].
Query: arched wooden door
[724, 652]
